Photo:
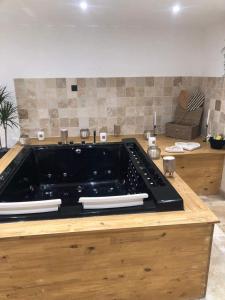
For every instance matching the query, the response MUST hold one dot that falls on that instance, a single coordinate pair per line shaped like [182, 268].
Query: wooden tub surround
[150, 256]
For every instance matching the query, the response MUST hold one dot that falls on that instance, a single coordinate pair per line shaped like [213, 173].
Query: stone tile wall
[99, 102]
[214, 89]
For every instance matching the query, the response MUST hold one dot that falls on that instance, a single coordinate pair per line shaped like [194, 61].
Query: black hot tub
[70, 172]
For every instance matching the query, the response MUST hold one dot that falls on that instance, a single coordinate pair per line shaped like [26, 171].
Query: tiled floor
[216, 282]
[217, 205]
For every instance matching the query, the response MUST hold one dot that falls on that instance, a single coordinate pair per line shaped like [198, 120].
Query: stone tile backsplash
[98, 103]
[214, 89]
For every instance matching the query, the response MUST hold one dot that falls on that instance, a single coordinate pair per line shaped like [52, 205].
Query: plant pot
[216, 144]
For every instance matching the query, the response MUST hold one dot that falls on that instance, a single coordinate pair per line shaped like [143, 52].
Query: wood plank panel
[203, 173]
[9, 156]
[164, 264]
[152, 256]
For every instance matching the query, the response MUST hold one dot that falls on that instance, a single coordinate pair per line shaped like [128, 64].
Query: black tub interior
[68, 172]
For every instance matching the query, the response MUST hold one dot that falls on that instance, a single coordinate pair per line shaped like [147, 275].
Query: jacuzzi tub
[68, 173]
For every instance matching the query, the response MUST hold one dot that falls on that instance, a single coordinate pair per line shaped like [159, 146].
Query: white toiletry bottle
[103, 137]
[41, 135]
[152, 141]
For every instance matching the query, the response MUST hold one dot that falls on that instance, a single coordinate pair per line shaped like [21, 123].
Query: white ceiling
[112, 13]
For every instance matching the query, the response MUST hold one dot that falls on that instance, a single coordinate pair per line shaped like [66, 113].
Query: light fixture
[176, 9]
[83, 5]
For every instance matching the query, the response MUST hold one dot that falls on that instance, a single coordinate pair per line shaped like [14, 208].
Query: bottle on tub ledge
[103, 135]
[64, 135]
[84, 133]
[41, 135]
[117, 130]
[153, 151]
[24, 139]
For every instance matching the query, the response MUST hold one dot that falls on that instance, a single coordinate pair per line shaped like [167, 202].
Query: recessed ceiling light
[83, 5]
[176, 9]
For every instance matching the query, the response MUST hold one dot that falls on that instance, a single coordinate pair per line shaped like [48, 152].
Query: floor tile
[216, 280]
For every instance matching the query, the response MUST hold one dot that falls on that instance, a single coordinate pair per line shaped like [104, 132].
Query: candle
[155, 118]
[207, 122]
[210, 129]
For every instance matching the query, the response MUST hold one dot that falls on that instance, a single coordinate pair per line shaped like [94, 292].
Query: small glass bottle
[154, 152]
[64, 135]
[117, 130]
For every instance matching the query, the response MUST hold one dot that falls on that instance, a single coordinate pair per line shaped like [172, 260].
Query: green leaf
[4, 95]
[8, 114]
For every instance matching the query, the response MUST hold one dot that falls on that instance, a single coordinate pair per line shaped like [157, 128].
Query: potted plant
[4, 96]
[217, 141]
[8, 113]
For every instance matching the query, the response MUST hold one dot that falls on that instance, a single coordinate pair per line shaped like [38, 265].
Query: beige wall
[103, 102]
[99, 102]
